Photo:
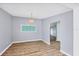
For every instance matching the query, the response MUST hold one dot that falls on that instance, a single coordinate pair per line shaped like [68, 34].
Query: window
[28, 28]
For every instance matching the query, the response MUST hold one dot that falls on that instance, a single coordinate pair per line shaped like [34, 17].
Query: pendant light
[31, 20]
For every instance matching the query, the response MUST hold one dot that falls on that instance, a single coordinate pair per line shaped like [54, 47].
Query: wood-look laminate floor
[37, 48]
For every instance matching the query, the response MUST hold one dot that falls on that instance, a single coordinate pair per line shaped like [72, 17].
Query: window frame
[27, 25]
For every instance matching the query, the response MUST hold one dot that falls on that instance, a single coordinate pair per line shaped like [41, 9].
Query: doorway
[55, 35]
[53, 31]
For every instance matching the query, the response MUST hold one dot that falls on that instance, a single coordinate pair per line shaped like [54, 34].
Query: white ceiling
[71, 5]
[38, 10]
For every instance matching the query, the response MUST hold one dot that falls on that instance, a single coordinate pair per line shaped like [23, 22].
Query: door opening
[55, 35]
[53, 32]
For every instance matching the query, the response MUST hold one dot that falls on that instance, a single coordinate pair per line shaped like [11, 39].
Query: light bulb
[30, 20]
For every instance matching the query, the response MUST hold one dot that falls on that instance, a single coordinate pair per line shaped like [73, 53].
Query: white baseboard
[27, 40]
[6, 49]
[45, 42]
[65, 53]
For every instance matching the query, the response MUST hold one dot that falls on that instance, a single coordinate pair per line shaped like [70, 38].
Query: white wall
[66, 35]
[76, 31]
[5, 30]
[26, 36]
[66, 32]
[75, 8]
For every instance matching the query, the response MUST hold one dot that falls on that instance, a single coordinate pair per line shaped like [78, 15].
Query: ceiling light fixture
[30, 20]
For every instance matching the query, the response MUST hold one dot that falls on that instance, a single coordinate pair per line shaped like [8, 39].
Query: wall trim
[6, 48]
[27, 40]
[32, 41]
[65, 53]
[45, 42]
